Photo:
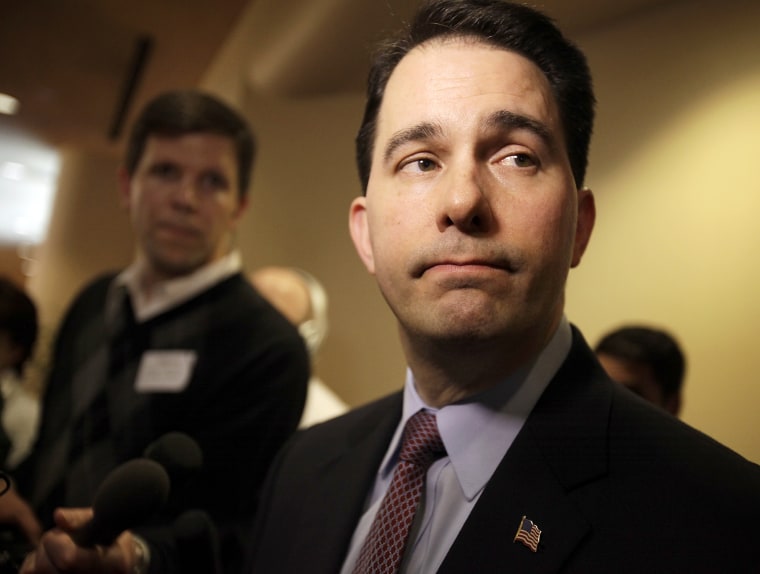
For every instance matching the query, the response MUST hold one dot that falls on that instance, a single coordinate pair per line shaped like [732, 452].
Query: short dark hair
[512, 27]
[651, 347]
[181, 112]
[18, 318]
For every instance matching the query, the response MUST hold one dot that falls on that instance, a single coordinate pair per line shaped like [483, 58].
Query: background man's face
[640, 379]
[184, 201]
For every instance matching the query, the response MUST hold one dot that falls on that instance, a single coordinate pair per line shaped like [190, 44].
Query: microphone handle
[197, 542]
[95, 532]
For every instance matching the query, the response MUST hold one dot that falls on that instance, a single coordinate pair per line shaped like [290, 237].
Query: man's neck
[152, 295]
[147, 278]
[449, 371]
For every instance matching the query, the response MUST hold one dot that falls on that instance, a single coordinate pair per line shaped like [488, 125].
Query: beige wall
[302, 185]
[89, 233]
[675, 170]
[673, 166]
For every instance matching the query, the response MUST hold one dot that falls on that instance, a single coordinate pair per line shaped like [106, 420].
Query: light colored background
[674, 166]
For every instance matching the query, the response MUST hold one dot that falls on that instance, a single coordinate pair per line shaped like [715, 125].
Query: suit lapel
[555, 453]
[342, 483]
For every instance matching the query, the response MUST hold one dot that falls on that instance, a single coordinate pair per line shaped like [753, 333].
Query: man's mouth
[178, 229]
[465, 266]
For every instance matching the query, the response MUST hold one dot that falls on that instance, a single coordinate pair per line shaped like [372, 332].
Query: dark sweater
[243, 399]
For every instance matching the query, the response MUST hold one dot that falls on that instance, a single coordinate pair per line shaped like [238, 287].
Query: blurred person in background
[18, 335]
[19, 410]
[646, 360]
[303, 300]
[178, 341]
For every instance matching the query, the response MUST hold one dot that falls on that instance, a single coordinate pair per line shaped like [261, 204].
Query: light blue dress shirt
[477, 433]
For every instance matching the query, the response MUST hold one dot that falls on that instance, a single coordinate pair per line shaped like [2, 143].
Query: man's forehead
[209, 137]
[199, 145]
[461, 83]
[463, 72]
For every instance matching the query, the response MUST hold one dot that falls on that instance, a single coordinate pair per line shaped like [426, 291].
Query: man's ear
[240, 210]
[125, 181]
[358, 226]
[672, 404]
[585, 224]
[15, 353]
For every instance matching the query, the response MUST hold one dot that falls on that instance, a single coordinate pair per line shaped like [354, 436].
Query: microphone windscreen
[197, 542]
[128, 497]
[179, 454]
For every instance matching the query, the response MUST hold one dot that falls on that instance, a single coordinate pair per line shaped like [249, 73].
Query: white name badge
[165, 371]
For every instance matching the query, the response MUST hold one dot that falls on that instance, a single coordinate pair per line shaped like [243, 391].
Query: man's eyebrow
[162, 162]
[507, 120]
[418, 132]
[502, 119]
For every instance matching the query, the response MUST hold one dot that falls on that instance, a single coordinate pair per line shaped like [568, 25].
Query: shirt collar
[478, 432]
[9, 382]
[170, 293]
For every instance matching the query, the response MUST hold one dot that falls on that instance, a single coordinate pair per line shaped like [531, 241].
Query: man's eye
[213, 182]
[520, 160]
[425, 164]
[421, 164]
[165, 170]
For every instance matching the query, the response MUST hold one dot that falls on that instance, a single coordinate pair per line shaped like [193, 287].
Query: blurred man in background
[178, 341]
[647, 361]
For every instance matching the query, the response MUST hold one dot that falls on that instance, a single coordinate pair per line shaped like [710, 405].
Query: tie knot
[421, 443]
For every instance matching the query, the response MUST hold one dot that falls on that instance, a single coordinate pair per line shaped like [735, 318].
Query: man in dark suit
[178, 341]
[472, 155]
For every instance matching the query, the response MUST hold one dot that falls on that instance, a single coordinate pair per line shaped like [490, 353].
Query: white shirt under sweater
[168, 294]
[20, 417]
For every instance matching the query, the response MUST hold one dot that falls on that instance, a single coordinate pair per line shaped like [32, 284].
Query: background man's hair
[651, 347]
[18, 318]
[183, 112]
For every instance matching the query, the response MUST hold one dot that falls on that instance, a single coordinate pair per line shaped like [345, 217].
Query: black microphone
[182, 459]
[129, 495]
[197, 542]
[179, 454]
[194, 532]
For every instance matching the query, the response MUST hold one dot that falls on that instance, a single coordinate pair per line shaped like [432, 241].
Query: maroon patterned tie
[384, 546]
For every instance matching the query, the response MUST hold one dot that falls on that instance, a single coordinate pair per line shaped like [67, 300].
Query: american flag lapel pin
[528, 533]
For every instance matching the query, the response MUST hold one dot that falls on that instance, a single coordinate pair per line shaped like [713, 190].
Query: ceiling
[70, 61]
[81, 68]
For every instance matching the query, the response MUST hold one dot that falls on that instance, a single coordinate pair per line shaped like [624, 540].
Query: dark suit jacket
[614, 484]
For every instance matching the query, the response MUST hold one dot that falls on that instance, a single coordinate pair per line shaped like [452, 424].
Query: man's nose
[185, 194]
[464, 201]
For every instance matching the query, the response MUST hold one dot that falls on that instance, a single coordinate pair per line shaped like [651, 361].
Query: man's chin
[458, 332]
[174, 267]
